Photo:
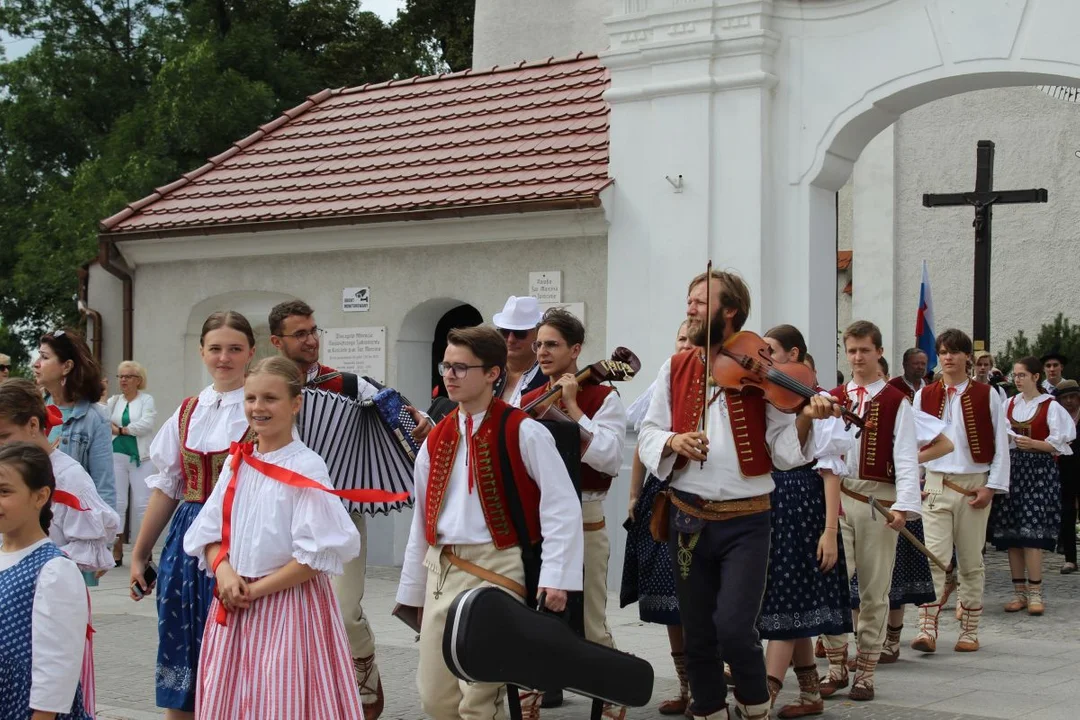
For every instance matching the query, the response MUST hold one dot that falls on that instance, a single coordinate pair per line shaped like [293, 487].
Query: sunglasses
[519, 334]
[4, 368]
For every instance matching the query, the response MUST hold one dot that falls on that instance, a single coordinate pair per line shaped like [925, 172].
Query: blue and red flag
[925, 338]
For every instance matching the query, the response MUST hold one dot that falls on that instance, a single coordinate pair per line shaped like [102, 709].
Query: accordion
[367, 444]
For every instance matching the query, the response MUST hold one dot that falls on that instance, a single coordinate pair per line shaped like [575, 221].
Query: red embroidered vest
[1038, 427]
[876, 448]
[442, 445]
[746, 413]
[589, 399]
[900, 384]
[975, 407]
[336, 384]
[201, 470]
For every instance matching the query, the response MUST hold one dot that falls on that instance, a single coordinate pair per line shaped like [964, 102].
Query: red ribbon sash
[241, 453]
[65, 498]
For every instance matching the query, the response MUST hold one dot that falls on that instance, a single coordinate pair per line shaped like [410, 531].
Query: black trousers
[719, 602]
[1067, 536]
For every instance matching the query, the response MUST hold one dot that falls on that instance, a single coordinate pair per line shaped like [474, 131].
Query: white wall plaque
[356, 299]
[575, 308]
[359, 350]
[546, 286]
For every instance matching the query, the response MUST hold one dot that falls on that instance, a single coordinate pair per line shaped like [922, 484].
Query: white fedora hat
[519, 313]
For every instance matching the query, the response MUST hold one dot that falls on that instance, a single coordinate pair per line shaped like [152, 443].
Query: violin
[745, 360]
[623, 365]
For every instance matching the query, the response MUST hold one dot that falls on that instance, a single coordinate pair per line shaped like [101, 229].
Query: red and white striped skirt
[286, 656]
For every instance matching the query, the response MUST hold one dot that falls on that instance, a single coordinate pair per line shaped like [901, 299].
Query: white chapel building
[611, 147]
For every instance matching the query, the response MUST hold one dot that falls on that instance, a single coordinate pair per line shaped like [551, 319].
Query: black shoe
[552, 699]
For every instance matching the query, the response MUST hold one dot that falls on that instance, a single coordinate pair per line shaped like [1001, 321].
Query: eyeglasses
[458, 370]
[127, 377]
[546, 345]
[519, 334]
[303, 335]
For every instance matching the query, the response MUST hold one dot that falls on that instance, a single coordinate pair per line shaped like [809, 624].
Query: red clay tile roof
[529, 136]
[843, 259]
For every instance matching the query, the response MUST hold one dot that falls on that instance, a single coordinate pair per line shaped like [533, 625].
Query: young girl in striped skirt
[272, 532]
[1026, 521]
[43, 624]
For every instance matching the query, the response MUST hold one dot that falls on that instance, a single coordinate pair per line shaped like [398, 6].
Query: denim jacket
[87, 437]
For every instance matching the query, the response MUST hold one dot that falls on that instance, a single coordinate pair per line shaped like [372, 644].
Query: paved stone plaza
[1028, 667]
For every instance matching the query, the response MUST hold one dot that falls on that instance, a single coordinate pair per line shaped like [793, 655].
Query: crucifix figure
[983, 200]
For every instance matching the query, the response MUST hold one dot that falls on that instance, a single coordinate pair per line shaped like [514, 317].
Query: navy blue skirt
[912, 583]
[183, 600]
[1030, 515]
[647, 577]
[801, 601]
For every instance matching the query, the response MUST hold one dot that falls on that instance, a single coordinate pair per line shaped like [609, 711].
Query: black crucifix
[983, 200]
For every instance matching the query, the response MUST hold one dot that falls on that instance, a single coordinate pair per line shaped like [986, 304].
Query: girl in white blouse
[43, 626]
[83, 525]
[272, 532]
[1027, 520]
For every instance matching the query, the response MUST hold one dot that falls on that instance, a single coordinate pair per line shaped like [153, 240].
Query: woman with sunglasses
[517, 323]
[132, 416]
[5, 367]
[71, 379]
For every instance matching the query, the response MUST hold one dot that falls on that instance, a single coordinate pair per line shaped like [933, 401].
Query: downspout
[106, 251]
[93, 317]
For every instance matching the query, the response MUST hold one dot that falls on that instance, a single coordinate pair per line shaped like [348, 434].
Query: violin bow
[708, 350]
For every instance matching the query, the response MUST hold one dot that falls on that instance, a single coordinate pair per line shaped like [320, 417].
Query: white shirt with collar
[959, 461]
[1062, 427]
[461, 520]
[905, 448]
[720, 477]
[217, 422]
[605, 451]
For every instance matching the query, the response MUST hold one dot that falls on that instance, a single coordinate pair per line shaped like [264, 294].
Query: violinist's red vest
[975, 407]
[445, 442]
[1038, 427]
[589, 399]
[876, 448]
[746, 413]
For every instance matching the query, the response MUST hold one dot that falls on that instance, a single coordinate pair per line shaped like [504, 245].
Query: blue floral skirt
[647, 577]
[912, 583]
[801, 601]
[183, 599]
[1030, 515]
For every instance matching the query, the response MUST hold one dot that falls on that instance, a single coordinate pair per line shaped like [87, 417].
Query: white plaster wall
[479, 274]
[1035, 247]
[508, 31]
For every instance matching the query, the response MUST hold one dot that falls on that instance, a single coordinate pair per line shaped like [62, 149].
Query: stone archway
[760, 108]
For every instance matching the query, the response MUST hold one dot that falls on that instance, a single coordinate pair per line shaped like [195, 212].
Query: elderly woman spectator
[71, 379]
[133, 415]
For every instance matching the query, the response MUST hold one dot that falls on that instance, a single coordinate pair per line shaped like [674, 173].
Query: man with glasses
[459, 537]
[517, 324]
[5, 367]
[296, 337]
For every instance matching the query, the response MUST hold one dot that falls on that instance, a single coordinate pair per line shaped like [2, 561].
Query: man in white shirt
[719, 525]
[883, 463]
[457, 542]
[961, 485]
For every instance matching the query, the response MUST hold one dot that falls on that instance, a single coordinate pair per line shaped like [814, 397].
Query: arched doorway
[462, 316]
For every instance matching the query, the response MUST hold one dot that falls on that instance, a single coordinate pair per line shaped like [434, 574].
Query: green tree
[1059, 336]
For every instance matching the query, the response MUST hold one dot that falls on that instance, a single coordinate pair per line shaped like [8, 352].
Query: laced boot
[890, 653]
[752, 712]
[775, 686]
[969, 629]
[851, 660]
[862, 686]
[1020, 601]
[613, 712]
[721, 714]
[837, 677]
[530, 704]
[926, 640]
[809, 702]
[370, 685]
[1035, 604]
[677, 706]
[819, 649]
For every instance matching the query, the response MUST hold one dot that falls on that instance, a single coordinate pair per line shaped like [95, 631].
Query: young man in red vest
[883, 463]
[295, 335]
[961, 485]
[719, 529]
[598, 409]
[460, 538]
[914, 377]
